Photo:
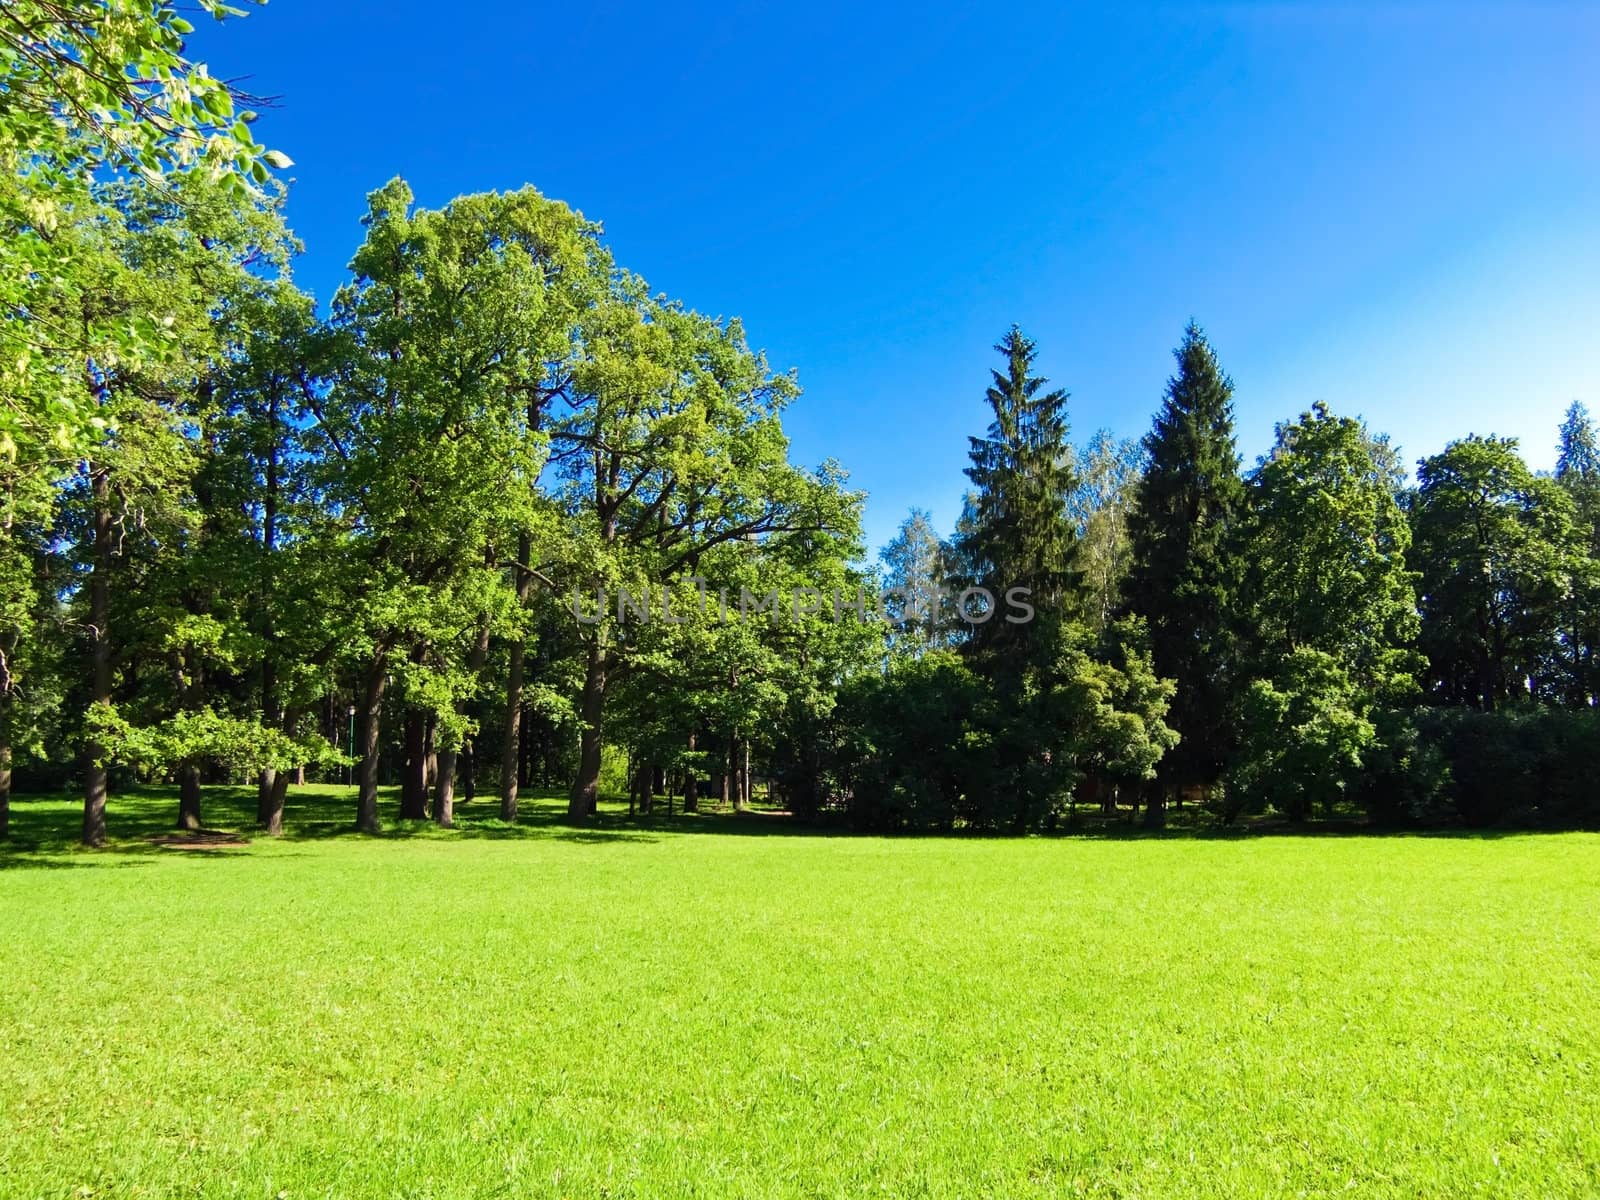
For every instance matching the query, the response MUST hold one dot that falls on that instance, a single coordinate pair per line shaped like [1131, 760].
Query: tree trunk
[188, 688]
[267, 783]
[367, 734]
[444, 796]
[525, 773]
[414, 783]
[94, 770]
[591, 711]
[510, 750]
[691, 785]
[5, 790]
[430, 753]
[469, 775]
[267, 780]
[280, 790]
[273, 794]
[189, 797]
[1155, 807]
[741, 784]
[640, 797]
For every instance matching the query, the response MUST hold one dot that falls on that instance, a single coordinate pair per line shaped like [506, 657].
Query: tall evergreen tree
[1020, 533]
[1578, 452]
[1017, 541]
[1578, 471]
[1184, 578]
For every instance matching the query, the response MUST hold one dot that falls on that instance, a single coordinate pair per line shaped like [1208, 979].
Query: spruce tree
[1184, 578]
[1578, 452]
[1578, 471]
[1019, 532]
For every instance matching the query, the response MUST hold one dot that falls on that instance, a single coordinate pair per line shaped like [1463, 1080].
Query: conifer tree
[1578, 453]
[1578, 471]
[1019, 533]
[1017, 541]
[1184, 578]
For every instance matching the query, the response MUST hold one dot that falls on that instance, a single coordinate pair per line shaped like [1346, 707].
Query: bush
[1536, 768]
[918, 749]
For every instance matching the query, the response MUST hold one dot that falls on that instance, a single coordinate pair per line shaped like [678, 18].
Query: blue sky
[1395, 211]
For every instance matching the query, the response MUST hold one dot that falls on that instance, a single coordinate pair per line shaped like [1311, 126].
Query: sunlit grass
[718, 1008]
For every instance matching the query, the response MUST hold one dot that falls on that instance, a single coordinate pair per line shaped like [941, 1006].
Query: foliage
[1184, 578]
[1303, 738]
[1108, 476]
[1498, 553]
[92, 89]
[1529, 769]
[1018, 536]
[918, 743]
[917, 563]
[204, 735]
[1326, 566]
[1117, 705]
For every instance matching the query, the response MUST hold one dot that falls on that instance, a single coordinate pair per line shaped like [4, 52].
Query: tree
[92, 91]
[1578, 471]
[1108, 476]
[1117, 706]
[1304, 737]
[33, 634]
[178, 256]
[1019, 534]
[916, 564]
[266, 557]
[1497, 550]
[1578, 452]
[1018, 542]
[673, 448]
[913, 754]
[441, 348]
[1326, 544]
[1184, 576]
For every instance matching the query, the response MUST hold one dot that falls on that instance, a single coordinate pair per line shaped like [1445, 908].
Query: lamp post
[350, 768]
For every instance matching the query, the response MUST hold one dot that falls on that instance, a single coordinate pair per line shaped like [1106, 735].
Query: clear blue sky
[1396, 212]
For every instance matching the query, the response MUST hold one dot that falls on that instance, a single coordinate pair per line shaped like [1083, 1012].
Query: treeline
[244, 540]
[1324, 637]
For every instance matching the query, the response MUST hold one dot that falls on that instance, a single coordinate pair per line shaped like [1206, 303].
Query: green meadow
[722, 1006]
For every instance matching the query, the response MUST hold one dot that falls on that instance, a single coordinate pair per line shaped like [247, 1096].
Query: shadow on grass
[141, 822]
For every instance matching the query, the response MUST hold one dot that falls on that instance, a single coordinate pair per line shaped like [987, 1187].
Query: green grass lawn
[720, 1007]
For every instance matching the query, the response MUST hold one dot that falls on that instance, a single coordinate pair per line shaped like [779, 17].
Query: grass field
[720, 1007]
